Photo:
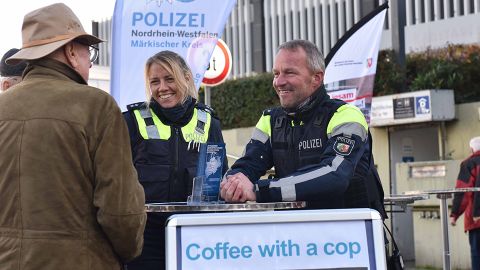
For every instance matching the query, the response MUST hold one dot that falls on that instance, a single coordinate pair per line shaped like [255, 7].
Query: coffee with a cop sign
[267, 246]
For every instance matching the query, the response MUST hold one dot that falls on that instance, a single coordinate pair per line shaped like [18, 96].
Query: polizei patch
[343, 146]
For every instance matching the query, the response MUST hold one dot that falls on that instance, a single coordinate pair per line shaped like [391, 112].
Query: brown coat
[69, 194]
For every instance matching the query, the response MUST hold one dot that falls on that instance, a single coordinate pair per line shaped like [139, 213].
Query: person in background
[318, 146]
[164, 134]
[468, 203]
[11, 74]
[69, 194]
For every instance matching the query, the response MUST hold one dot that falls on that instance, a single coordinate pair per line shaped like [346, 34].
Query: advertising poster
[352, 63]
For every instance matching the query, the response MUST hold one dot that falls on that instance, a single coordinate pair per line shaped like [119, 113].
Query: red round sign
[220, 65]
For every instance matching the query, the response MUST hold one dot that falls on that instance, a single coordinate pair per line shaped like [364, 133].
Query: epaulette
[206, 108]
[268, 111]
[136, 106]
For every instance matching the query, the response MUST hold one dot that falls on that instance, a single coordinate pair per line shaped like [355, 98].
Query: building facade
[255, 28]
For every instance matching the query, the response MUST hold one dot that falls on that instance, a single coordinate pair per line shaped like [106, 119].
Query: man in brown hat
[69, 194]
[11, 74]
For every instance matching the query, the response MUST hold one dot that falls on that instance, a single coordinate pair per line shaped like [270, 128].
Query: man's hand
[453, 221]
[475, 219]
[237, 188]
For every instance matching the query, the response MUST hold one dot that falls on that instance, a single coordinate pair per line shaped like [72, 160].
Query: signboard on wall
[413, 107]
[428, 171]
[403, 108]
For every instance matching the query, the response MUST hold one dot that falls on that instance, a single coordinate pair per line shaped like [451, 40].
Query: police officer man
[318, 146]
[11, 74]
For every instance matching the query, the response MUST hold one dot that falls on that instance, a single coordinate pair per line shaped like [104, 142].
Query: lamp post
[398, 22]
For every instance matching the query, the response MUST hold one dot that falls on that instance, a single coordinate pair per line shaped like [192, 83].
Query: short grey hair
[315, 59]
[475, 144]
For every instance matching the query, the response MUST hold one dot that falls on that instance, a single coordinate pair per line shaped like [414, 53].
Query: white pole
[207, 96]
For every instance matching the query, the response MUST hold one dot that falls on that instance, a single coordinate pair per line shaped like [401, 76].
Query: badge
[343, 146]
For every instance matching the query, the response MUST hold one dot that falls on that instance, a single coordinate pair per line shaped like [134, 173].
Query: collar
[47, 66]
[305, 109]
[170, 117]
[475, 154]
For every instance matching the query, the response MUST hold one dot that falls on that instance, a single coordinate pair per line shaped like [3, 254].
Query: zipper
[174, 183]
[176, 150]
[294, 151]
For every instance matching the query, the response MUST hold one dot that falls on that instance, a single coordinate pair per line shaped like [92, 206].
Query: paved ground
[411, 266]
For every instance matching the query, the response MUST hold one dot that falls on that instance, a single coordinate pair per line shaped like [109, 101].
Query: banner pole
[207, 96]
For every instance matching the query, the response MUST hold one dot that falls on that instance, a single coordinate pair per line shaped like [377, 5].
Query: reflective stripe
[259, 135]
[202, 117]
[141, 124]
[287, 184]
[348, 129]
[190, 132]
[145, 113]
[152, 132]
[156, 131]
[347, 114]
[264, 125]
[161, 131]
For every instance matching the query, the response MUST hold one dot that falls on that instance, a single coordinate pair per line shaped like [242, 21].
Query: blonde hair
[175, 65]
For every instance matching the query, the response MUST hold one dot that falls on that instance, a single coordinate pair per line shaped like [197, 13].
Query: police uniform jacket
[69, 194]
[320, 154]
[164, 152]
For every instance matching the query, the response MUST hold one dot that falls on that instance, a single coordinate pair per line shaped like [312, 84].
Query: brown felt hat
[46, 29]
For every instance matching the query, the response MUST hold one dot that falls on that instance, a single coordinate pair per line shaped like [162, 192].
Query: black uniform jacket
[320, 154]
[166, 167]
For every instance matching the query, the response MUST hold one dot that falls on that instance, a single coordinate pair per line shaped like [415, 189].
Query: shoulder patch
[136, 106]
[206, 108]
[343, 146]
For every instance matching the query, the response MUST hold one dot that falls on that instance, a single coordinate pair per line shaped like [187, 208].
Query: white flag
[352, 62]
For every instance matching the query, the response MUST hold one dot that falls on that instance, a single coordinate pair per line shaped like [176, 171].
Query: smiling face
[293, 80]
[168, 79]
[163, 86]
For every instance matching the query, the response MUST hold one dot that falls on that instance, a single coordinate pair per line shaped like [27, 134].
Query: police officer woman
[163, 131]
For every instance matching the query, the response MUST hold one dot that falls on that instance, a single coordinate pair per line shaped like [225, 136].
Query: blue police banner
[142, 28]
[352, 63]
